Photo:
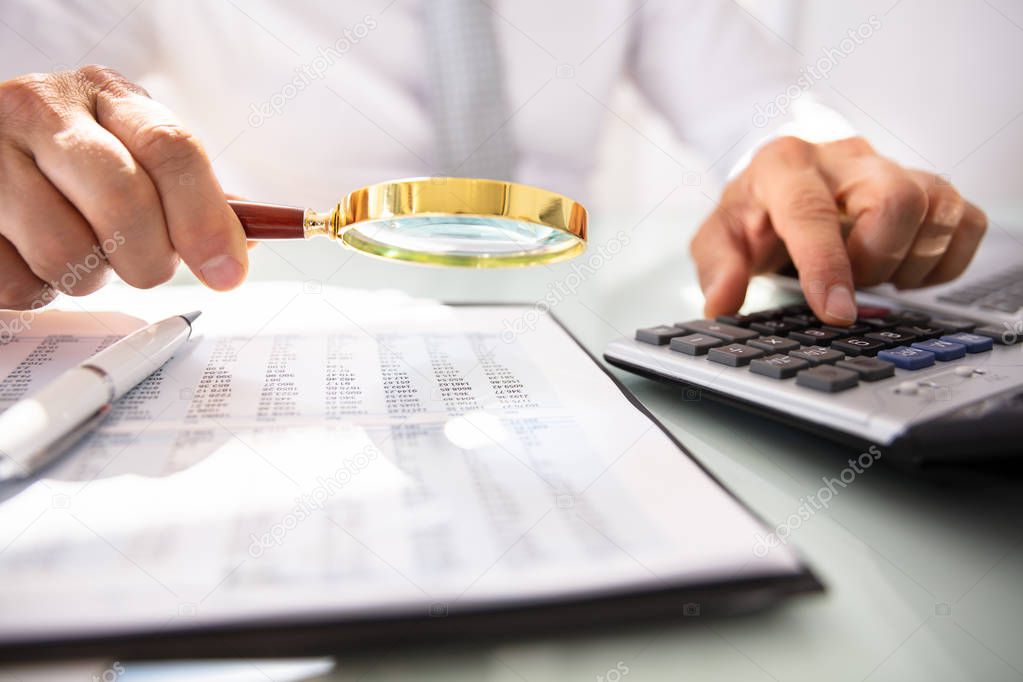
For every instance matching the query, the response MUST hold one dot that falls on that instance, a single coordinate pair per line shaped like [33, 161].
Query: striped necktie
[469, 100]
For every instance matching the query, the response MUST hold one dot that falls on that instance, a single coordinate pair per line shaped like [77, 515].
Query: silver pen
[37, 429]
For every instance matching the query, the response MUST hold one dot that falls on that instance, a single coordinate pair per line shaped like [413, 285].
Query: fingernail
[948, 213]
[840, 303]
[222, 272]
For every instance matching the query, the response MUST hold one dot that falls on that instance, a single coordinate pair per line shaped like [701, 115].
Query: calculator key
[802, 321]
[869, 369]
[734, 354]
[873, 311]
[905, 357]
[778, 366]
[774, 344]
[891, 338]
[911, 317]
[725, 332]
[814, 336]
[858, 345]
[1000, 335]
[772, 313]
[817, 355]
[827, 378]
[775, 327]
[974, 343]
[877, 323]
[695, 344]
[944, 350]
[920, 331]
[953, 325]
[797, 309]
[855, 329]
[659, 335]
[738, 320]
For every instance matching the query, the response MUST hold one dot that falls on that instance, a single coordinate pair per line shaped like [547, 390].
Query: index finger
[203, 228]
[805, 217]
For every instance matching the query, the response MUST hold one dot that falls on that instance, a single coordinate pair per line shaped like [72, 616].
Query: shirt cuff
[808, 120]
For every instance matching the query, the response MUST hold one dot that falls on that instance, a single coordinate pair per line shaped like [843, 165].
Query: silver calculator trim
[875, 411]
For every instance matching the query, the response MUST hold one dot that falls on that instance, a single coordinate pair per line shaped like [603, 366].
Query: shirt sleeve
[725, 84]
[59, 35]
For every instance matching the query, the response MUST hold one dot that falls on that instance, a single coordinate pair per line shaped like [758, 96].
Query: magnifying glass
[464, 222]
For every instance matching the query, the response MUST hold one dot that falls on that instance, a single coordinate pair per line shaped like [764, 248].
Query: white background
[938, 86]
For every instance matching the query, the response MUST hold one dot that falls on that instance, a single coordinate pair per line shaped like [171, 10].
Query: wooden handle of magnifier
[269, 221]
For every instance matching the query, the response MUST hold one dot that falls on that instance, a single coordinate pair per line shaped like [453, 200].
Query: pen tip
[190, 317]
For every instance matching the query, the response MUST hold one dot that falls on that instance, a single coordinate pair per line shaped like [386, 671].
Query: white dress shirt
[300, 102]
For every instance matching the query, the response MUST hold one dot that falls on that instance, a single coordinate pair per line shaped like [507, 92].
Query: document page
[343, 452]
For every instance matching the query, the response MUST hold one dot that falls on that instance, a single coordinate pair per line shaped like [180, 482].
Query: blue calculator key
[944, 350]
[975, 343]
[905, 357]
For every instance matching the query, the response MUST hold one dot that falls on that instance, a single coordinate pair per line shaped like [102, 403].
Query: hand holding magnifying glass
[463, 222]
[99, 178]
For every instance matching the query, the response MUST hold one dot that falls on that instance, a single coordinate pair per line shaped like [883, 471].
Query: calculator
[926, 387]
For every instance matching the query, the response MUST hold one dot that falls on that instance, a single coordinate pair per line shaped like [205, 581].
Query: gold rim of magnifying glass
[444, 196]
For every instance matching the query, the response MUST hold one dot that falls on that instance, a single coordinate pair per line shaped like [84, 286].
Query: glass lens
[462, 240]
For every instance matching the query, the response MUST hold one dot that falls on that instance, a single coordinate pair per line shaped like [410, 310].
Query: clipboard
[279, 630]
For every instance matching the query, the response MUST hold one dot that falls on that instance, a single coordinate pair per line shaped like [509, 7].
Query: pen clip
[14, 470]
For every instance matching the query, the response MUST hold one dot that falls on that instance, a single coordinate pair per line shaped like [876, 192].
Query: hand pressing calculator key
[927, 389]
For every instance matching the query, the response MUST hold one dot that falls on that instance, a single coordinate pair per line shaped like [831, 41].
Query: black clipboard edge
[319, 636]
[330, 637]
